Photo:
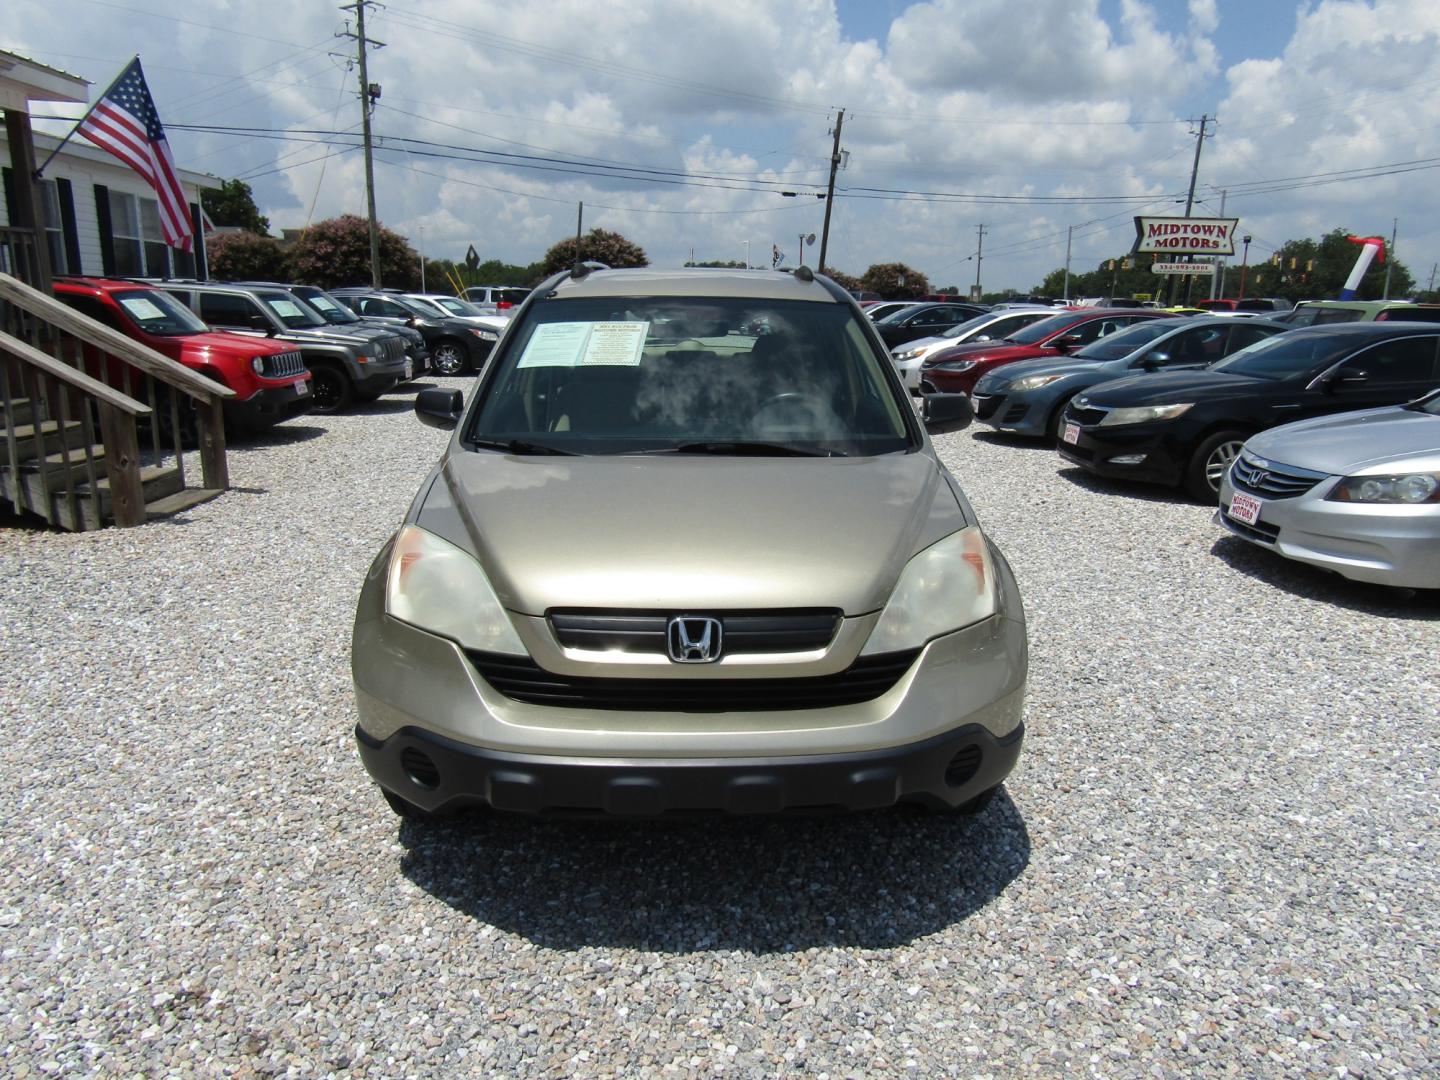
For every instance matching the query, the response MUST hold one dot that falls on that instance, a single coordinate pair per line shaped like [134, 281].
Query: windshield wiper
[519, 446]
[756, 449]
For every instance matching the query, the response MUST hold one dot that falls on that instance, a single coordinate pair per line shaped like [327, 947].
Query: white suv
[496, 298]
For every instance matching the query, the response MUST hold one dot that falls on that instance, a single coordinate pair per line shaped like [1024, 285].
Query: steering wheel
[797, 410]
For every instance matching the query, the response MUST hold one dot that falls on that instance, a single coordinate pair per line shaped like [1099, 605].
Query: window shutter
[107, 232]
[66, 192]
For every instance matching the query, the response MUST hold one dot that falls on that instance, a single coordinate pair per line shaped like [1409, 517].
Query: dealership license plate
[1245, 510]
[1072, 433]
[302, 387]
[409, 370]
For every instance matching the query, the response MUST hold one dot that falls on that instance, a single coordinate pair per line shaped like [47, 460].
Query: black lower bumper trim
[441, 774]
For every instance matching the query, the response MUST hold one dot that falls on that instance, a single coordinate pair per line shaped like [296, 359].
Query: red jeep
[270, 380]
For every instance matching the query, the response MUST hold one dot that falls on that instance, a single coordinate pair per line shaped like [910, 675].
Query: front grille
[741, 633]
[1273, 481]
[521, 679]
[986, 404]
[282, 365]
[1265, 534]
[1016, 413]
[1085, 417]
[394, 347]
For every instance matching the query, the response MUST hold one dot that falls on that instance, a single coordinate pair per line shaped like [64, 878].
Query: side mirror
[1151, 361]
[1068, 342]
[440, 408]
[944, 413]
[1340, 381]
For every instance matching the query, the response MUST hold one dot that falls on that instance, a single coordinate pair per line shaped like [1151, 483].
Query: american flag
[124, 122]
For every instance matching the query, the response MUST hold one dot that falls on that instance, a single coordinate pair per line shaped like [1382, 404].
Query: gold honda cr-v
[689, 549]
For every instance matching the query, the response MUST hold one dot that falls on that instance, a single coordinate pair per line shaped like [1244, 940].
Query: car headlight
[434, 585]
[1143, 414]
[1410, 488]
[907, 354]
[1034, 382]
[955, 365]
[949, 585]
[257, 365]
[486, 335]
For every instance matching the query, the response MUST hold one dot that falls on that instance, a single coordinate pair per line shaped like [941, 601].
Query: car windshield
[294, 313]
[1114, 346]
[456, 307]
[159, 313]
[720, 375]
[1285, 356]
[330, 309]
[1041, 330]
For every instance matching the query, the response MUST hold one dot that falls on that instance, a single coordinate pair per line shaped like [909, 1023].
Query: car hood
[1351, 442]
[1165, 387]
[1046, 366]
[989, 350]
[220, 343]
[923, 343]
[345, 335]
[674, 531]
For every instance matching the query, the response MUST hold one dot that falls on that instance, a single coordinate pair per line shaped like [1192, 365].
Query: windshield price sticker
[287, 309]
[143, 309]
[586, 344]
[1245, 509]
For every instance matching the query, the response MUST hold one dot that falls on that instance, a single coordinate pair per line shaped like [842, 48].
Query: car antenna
[804, 273]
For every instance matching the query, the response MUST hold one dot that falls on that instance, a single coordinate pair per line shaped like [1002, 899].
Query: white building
[99, 217]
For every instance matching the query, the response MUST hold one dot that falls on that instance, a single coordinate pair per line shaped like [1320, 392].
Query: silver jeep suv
[689, 549]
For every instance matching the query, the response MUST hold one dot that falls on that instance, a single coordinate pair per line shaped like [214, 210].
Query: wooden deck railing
[62, 376]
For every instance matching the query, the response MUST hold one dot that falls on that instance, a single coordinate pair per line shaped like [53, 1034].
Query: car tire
[330, 389]
[1209, 463]
[448, 357]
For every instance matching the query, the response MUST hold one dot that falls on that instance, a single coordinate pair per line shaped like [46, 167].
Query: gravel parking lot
[1217, 856]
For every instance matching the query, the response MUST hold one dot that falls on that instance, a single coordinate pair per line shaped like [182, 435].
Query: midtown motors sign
[1185, 236]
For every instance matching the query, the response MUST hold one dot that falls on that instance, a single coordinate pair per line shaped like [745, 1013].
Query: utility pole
[979, 254]
[368, 96]
[1433, 268]
[1190, 198]
[830, 189]
[1069, 236]
[579, 219]
[1390, 256]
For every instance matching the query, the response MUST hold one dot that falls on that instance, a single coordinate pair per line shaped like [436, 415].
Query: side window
[394, 310]
[221, 309]
[1243, 336]
[1402, 361]
[1188, 346]
[88, 305]
[1336, 315]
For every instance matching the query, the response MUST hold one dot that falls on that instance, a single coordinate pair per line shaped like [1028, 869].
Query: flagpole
[40, 172]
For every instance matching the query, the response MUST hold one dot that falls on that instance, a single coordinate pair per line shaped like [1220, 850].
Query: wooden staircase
[75, 397]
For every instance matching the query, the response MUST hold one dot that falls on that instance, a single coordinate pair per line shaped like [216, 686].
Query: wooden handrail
[66, 374]
[111, 341]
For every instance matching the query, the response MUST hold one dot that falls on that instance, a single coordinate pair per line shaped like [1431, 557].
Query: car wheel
[1209, 464]
[184, 412]
[330, 388]
[448, 358]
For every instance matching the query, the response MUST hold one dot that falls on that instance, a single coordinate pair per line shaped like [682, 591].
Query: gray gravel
[1217, 856]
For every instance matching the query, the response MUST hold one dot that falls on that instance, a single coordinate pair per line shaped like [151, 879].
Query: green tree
[337, 252]
[232, 203]
[244, 256]
[846, 281]
[718, 264]
[1304, 269]
[599, 245]
[895, 281]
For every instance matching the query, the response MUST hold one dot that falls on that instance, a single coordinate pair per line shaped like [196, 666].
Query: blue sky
[1028, 116]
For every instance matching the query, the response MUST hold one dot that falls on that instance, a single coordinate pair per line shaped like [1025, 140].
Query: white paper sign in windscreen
[555, 345]
[143, 309]
[615, 344]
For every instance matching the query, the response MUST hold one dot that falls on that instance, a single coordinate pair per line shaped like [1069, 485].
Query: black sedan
[1185, 428]
[923, 320]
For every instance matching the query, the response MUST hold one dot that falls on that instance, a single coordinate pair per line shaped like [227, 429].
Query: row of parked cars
[1316, 431]
[289, 349]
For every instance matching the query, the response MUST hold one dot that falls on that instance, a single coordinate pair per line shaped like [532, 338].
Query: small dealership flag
[124, 122]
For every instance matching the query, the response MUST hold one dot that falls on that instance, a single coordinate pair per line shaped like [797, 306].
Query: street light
[1244, 261]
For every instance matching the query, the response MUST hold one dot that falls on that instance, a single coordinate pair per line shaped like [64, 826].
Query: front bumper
[435, 772]
[270, 406]
[378, 377]
[1381, 544]
[1162, 455]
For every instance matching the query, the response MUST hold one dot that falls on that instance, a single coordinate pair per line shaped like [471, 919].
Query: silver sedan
[1357, 493]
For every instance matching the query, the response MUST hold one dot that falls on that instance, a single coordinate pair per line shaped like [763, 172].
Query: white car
[991, 326]
[450, 308]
